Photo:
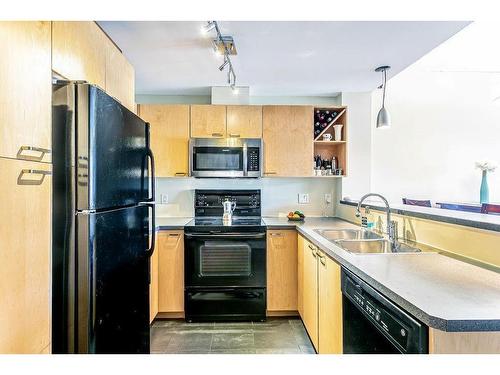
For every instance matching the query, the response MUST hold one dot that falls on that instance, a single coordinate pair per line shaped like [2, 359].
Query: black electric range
[225, 264]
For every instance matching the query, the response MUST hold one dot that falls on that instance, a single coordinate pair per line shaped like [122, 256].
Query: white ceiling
[274, 58]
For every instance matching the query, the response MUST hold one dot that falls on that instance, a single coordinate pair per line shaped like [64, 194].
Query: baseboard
[282, 313]
[170, 315]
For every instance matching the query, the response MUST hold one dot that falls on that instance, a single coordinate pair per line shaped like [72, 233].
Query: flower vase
[484, 191]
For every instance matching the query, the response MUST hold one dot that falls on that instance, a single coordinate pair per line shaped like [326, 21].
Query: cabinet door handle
[21, 180]
[217, 135]
[40, 150]
[276, 234]
[323, 261]
[173, 234]
[180, 174]
[234, 135]
[270, 173]
[311, 247]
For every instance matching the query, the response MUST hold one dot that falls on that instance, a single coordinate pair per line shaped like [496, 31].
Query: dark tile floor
[277, 335]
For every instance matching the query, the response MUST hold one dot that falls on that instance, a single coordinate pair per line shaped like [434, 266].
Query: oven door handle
[226, 235]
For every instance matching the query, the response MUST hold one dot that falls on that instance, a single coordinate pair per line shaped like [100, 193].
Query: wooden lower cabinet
[441, 342]
[320, 298]
[170, 247]
[25, 232]
[329, 306]
[310, 292]
[282, 270]
[300, 274]
[153, 286]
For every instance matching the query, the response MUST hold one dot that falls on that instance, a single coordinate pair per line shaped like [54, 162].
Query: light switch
[328, 198]
[164, 198]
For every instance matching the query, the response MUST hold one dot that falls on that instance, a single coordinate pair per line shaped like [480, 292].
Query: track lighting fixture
[224, 45]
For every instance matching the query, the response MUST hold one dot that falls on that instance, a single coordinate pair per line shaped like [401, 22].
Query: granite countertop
[171, 223]
[442, 292]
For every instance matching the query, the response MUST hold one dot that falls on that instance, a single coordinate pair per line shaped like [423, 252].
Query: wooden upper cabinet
[288, 140]
[329, 306]
[170, 271]
[120, 77]
[208, 121]
[281, 270]
[79, 51]
[25, 253]
[25, 91]
[244, 121]
[169, 137]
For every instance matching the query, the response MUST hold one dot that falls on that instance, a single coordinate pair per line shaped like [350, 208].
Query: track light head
[208, 27]
[221, 68]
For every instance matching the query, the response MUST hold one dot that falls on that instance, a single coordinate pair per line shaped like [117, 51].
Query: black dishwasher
[374, 325]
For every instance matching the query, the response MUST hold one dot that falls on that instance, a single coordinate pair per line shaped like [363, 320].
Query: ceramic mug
[327, 137]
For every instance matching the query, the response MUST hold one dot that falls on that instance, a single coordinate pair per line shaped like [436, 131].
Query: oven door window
[218, 159]
[225, 259]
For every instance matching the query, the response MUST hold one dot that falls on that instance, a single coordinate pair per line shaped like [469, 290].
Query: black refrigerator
[103, 223]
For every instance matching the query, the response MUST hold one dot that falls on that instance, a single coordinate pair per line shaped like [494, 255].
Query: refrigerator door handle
[153, 175]
[151, 202]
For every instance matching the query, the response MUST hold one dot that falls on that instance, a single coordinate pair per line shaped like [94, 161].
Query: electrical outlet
[164, 198]
[303, 198]
[328, 198]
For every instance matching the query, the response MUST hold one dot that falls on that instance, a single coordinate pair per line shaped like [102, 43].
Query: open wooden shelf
[328, 149]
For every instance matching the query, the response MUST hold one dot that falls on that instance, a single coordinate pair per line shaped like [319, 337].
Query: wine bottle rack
[324, 119]
[328, 149]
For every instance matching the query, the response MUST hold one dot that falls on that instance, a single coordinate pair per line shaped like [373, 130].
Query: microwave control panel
[253, 159]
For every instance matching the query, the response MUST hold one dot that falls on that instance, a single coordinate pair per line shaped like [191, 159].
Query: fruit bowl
[296, 216]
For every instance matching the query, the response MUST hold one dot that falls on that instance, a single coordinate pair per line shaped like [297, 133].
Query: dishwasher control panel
[402, 330]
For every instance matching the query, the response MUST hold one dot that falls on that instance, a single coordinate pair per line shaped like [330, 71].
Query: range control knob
[403, 332]
[377, 317]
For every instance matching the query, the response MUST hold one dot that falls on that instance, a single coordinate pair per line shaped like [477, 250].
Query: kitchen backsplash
[279, 195]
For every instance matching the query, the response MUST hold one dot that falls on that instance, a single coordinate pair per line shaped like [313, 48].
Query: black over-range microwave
[225, 157]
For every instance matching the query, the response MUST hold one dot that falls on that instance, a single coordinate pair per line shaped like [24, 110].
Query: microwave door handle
[245, 160]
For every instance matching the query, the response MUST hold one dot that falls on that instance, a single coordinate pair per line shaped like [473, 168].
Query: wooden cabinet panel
[244, 121]
[310, 296]
[120, 76]
[169, 137]
[153, 286]
[25, 89]
[79, 51]
[300, 274]
[441, 342]
[25, 232]
[281, 270]
[329, 306]
[288, 140]
[208, 121]
[171, 271]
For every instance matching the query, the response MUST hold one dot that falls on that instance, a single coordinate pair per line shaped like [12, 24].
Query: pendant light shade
[383, 117]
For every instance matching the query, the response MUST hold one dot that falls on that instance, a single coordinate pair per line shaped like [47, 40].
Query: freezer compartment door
[113, 281]
[112, 152]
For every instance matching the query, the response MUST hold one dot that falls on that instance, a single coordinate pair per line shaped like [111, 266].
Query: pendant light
[383, 117]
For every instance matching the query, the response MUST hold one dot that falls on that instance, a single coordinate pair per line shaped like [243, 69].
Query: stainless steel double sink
[362, 241]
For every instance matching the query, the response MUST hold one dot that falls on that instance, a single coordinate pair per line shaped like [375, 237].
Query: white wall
[444, 119]
[279, 195]
[359, 144]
